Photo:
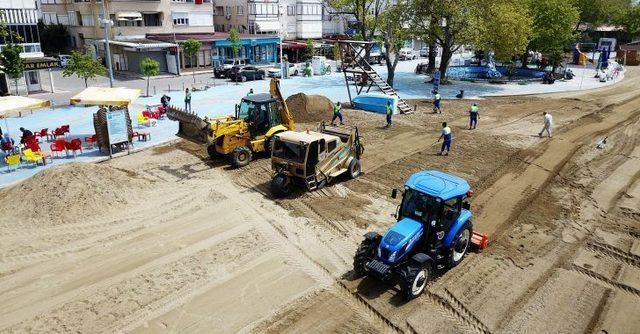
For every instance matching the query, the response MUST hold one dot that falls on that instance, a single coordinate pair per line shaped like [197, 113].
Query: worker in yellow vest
[436, 103]
[389, 111]
[473, 116]
[447, 136]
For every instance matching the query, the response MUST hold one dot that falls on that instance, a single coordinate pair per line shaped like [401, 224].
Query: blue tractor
[433, 232]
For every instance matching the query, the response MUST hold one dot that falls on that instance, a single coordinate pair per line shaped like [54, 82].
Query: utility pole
[107, 24]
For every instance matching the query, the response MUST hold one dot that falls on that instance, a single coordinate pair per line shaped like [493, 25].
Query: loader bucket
[190, 125]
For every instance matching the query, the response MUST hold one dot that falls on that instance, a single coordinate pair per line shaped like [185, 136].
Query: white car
[424, 52]
[407, 54]
[64, 60]
[274, 72]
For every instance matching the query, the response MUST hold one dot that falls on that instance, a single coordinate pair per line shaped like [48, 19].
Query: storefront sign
[40, 64]
[117, 127]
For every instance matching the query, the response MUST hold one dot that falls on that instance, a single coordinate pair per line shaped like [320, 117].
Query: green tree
[598, 12]
[191, 48]
[84, 66]
[629, 20]
[149, 67]
[54, 38]
[234, 39]
[505, 30]
[10, 62]
[394, 32]
[553, 27]
[310, 50]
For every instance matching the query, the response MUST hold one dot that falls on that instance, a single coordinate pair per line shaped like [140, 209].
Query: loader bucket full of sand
[190, 125]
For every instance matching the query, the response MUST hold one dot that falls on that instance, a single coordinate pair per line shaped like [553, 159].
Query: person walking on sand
[337, 113]
[187, 100]
[250, 92]
[548, 123]
[436, 103]
[389, 111]
[446, 135]
[473, 116]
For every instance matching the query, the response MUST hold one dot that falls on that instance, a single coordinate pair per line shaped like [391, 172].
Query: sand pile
[310, 108]
[69, 194]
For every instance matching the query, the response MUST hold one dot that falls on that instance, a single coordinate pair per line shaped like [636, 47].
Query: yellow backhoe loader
[257, 119]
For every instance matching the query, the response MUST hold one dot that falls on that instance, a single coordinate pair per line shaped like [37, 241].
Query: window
[240, 10]
[291, 10]
[180, 19]
[332, 146]
[49, 18]
[152, 20]
[87, 20]
[227, 11]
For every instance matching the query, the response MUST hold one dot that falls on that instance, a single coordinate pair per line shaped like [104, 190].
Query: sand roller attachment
[190, 125]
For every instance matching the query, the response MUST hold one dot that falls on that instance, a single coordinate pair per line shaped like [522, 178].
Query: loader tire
[460, 245]
[413, 279]
[365, 253]
[281, 185]
[241, 156]
[355, 168]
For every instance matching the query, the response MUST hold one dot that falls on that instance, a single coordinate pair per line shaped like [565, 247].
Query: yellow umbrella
[11, 104]
[105, 96]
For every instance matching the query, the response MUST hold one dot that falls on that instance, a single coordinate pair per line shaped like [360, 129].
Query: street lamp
[107, 23]
[281, 35]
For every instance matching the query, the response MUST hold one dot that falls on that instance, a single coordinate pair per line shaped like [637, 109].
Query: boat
[375, 102]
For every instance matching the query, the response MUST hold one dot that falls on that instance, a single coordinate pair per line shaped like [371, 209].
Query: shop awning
[105, 96]
[294, 45]
[263, 26]
[141, 45]
[129, 16]
[10, 104]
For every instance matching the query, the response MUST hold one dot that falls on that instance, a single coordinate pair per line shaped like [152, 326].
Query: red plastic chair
[58, 132]
[74, 145]
[91, 141]
[59, 146]
[7, 147]
[44, 133]
[65, 128]
[32, 143]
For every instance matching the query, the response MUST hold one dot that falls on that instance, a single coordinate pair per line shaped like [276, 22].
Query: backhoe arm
[274, 90]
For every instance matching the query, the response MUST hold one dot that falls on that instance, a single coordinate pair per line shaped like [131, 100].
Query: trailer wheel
[414, 278]
[241, 156]
[213, 153]
[365, 253]
[460, 245]
[355, 168]
[281, 185]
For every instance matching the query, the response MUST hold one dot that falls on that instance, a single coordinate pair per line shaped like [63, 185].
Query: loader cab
[260, 111]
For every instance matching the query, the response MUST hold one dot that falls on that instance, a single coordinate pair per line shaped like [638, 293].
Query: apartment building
[130, 22]
[20, 18]
[230, 14]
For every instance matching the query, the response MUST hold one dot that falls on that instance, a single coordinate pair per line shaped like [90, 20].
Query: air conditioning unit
[228, 16]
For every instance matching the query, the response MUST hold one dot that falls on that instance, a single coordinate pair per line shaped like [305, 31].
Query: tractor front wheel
[365, 253]
[460, 245]
[241, 156]
[355, 168]
[414, 278]
[281, 185]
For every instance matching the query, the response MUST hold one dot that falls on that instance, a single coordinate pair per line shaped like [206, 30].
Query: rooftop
[201, 36]
[438, 184]
[305, 137]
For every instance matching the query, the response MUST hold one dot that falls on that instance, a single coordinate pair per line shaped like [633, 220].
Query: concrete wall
[135, 58]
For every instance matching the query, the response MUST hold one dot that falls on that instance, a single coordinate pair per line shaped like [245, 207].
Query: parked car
[424, 52]
[244, 73]
[64, 60]
[407, 54]
[274, 72]
[222, 70]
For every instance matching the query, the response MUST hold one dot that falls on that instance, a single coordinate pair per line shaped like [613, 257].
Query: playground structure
[354, 62]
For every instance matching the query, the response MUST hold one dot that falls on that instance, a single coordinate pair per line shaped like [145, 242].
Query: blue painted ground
[220, 100]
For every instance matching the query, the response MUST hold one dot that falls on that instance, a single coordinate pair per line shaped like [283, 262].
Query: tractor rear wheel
[355, 168]
[241, 156]
[413, 279]
[460, 245]
[365, 253]
[281, 185]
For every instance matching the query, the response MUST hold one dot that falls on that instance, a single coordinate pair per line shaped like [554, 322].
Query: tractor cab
[303, 151]
[260, 111]
[433, 231]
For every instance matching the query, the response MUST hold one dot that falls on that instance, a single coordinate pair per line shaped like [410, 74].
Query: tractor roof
[259, 98]
[305, 136]
[438, 184]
